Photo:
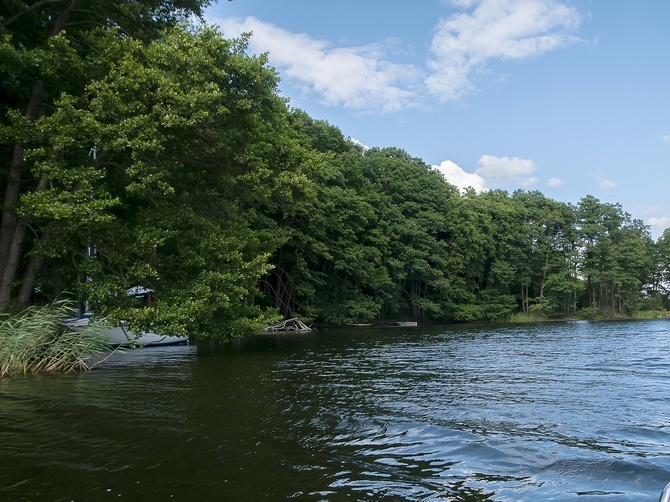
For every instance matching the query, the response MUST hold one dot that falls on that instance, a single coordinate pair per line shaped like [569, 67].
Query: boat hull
[121, 337]
[118, 337]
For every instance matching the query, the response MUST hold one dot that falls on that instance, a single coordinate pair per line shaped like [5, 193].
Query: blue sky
[566, 97]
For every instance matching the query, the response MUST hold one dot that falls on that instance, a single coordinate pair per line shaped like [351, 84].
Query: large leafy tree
[546, 266]
[156, 171]
[660, 285]
[415, 205]
[616, 255]
[329, 268]
[201, 147]
[48, 48]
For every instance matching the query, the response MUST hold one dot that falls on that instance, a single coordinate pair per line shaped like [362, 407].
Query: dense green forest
[141, 150]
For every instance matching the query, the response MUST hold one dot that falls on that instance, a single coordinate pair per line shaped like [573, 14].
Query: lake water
[555, 411]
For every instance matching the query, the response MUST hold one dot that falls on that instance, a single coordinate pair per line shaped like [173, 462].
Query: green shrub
[589, 314]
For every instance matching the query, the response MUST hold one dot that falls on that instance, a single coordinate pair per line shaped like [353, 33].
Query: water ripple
[554, 410]
[551, 411]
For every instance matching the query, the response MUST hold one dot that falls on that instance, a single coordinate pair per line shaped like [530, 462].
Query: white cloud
[604, 183]
[364, 77]
[356, 142]
[529, 182]
[555, 182]
[666, 138]
[463, 4]
[659, 223]
[493, 172]
[353, 77]
[494, 30]
[455, 175]
[656, 216]
[506, 169]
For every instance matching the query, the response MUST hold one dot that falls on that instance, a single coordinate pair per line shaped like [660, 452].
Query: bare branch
[32, 7]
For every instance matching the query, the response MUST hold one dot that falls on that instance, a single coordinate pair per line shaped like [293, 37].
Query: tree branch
[28, 9]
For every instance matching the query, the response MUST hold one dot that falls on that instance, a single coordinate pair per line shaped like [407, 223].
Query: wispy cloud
[354, 77]
[494, 30]
[666, 138]
[465, 43]
[555, 182]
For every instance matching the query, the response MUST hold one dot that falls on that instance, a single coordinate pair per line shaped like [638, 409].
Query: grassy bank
[589, 314]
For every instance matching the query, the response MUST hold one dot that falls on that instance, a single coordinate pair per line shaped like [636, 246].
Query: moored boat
[119, 336]
[665, 496]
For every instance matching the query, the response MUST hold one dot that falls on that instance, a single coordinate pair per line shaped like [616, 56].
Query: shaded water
[559, 411]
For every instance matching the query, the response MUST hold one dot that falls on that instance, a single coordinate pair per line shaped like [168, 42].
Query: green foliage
[141, 152]
[202, 153]
[617, 256]
[54, 191]
[36, 341]
[496, 306]
[659, 286]
[589, 314]
[192, 148]
[329, 267]
[413, 202]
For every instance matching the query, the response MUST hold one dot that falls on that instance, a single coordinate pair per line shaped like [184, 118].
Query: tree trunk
[11, 198]
[13, 229]
[13, 260]
[28, 281]
[12, 264]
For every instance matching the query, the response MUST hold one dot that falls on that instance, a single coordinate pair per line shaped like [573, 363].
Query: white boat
[121, 337]
[665, 496]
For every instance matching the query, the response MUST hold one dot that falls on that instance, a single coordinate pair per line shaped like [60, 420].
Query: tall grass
[649, 314]
[36, 340]
[520, 317]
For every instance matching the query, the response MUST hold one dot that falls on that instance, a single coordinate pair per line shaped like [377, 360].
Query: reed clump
[521, 317]
[36, 340]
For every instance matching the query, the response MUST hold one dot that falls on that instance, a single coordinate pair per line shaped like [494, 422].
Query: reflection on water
[530, 412]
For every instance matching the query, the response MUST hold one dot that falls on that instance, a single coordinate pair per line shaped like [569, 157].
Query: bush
[589, 314]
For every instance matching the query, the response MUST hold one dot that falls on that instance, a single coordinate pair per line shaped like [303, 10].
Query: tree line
[144, 151]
